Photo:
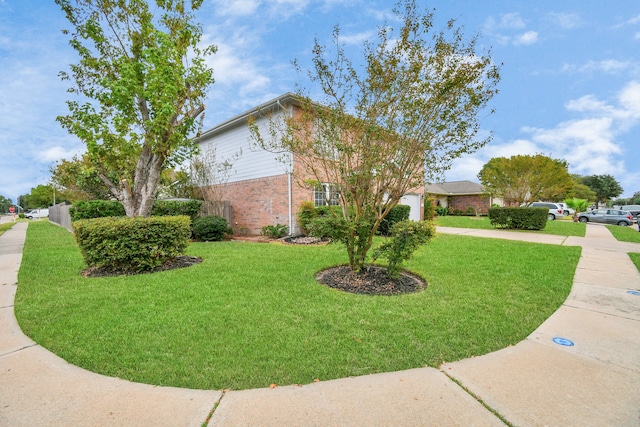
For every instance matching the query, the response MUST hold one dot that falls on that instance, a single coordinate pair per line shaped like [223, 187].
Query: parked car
[37, 213]
[555, 210]
[607, 216]
[566, 210]
[634, 209]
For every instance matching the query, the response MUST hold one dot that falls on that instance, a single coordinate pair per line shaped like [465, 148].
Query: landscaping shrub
[430, 209]
[131, 245]
[210, 228]
[306, 213]
[519, 218]
[406, 237]
[328, 226]
[190, 208]
[396, 214]
[104, 208]
[277, 231]
[442, 211]
[470, 211]
[88, 209]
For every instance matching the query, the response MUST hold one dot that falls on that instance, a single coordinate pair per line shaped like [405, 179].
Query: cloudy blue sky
[570, 70]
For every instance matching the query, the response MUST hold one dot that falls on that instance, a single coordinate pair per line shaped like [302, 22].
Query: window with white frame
[325, 192]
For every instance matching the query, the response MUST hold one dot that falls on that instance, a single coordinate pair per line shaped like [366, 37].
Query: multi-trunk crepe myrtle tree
[141, 82]
[382, 129]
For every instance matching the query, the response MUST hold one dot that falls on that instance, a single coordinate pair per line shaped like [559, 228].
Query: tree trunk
[138, 199]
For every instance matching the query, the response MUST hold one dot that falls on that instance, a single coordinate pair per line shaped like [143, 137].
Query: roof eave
[269, 106]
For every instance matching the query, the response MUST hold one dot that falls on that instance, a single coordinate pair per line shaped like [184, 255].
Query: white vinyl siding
[254, 162]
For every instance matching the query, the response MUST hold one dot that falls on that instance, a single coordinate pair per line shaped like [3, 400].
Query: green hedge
[132, 245]
[210, 228]
[307, 214]
[519, 218]
[397, 214]
[105, 208]
[87, 209]
[190, 208]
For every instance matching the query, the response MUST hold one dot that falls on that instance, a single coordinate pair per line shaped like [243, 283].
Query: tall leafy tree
[526, 178]
[80, 179]
[408, 112]
[42, 196]
[605, 186]
[580, 191]
[5, 203]
[142, 79]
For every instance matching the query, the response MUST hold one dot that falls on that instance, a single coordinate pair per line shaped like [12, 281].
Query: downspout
[289, 178]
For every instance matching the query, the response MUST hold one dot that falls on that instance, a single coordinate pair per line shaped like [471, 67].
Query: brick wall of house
[479, 202]
[263, 201]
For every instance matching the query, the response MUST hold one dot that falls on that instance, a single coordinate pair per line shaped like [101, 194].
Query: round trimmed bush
[210, 228]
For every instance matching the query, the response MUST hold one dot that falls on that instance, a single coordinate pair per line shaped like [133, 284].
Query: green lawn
[251, 314]
[625, 234]
[5, 226]
[558, 227]
[635, 257]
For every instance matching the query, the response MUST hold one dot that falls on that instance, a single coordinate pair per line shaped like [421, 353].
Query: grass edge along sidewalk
[251, 315]
[558, 227]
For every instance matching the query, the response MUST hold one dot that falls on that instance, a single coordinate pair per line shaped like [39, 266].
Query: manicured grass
[252, 314]
[5, 226]
[635, 257]
[625, 234]
[560, 228]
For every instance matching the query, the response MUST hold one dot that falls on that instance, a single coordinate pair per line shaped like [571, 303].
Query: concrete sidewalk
[536, 382]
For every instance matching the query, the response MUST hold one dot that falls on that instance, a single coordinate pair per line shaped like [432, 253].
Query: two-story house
[262, 186]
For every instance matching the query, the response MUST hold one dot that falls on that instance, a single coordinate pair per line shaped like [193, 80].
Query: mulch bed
[181, 261]
[372, 280]
[305, 240]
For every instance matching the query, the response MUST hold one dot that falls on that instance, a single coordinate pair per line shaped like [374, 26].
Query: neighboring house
[460, 195]
[262, 186]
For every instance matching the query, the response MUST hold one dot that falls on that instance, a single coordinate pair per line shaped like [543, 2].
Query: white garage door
[412, 200]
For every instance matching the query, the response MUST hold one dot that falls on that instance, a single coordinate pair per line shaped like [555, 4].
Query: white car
[566, 209]
[555, 210]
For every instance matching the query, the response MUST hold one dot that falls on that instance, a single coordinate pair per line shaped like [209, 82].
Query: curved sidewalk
[595, 382]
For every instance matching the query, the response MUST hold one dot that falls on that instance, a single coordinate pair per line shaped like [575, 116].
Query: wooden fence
[59, 214]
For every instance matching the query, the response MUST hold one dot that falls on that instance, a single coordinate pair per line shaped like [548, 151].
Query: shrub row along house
[267, 188]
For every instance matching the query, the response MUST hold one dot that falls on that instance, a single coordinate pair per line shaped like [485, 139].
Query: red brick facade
[480, 203]
[263, 201]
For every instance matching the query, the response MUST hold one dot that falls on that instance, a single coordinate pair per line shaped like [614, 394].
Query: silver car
[607, 216]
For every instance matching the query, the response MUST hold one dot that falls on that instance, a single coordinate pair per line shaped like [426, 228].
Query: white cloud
[232, 68]
[236, 7]
[633, 21]
[277, 9]
[589, 103]
[358, 38]
[530, 37]
[630, 99]
[56, 153]
[611, 66]
[591, 143]
[511, 21]
[565, 21]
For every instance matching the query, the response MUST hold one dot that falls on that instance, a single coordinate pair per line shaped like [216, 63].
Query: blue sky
[570, 85]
